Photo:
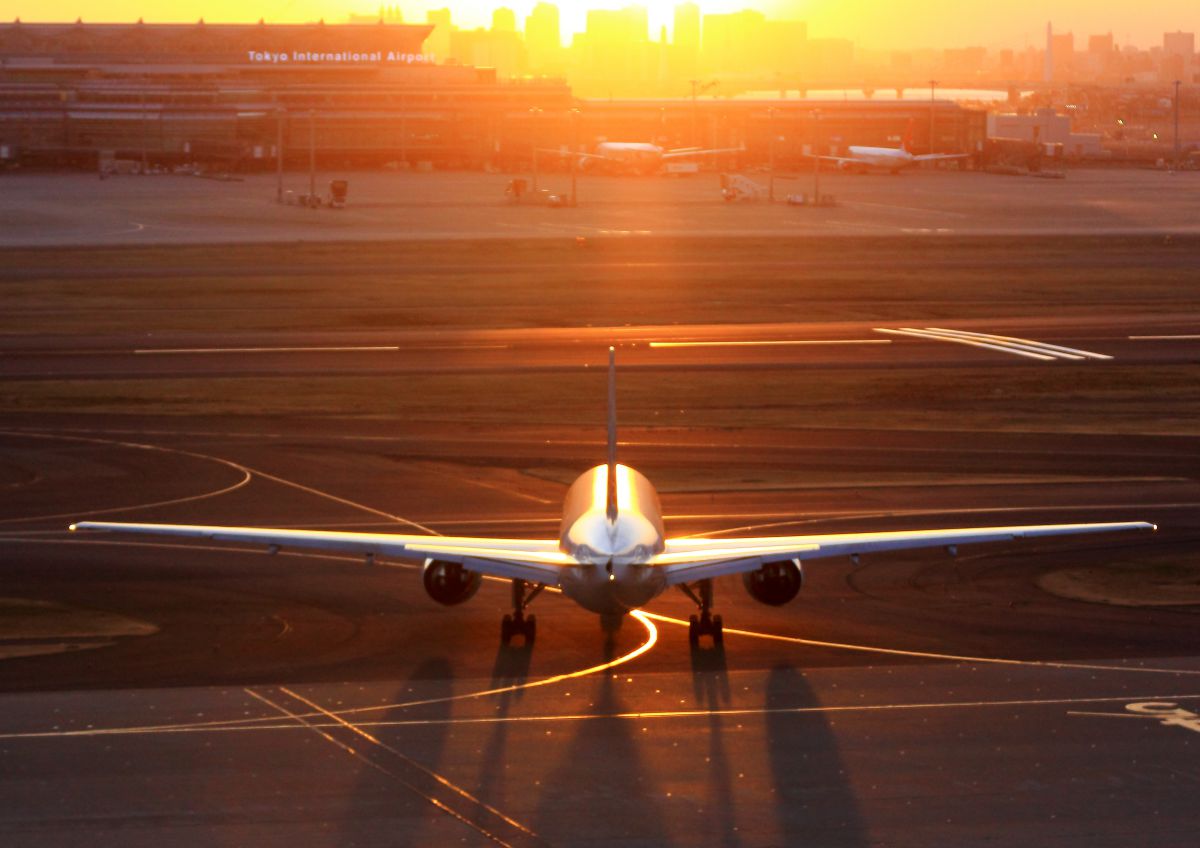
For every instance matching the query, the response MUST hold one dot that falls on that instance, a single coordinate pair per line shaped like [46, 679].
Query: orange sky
[871, 23]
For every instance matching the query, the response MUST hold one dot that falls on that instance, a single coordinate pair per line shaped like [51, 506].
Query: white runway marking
[321, 731]
[1052, 349]
[246, 476]
[1029, 348]
[152, 351]
[1166, 713]
[919, 334]
[735, 712]
[932, 655]
[1163, 338]
[772, 343]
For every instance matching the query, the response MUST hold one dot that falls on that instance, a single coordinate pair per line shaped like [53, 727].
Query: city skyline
[914, 25]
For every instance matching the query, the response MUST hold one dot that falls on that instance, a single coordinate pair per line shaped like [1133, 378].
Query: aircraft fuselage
[613, 550]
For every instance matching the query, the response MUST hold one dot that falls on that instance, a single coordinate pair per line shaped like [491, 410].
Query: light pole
[574, 113]
[312, 156]
[771, 154]
[816, 157]
[278, 155]
[932, 93]
[698, 86]
[143, 122]
[1175, 167]
[534, 111]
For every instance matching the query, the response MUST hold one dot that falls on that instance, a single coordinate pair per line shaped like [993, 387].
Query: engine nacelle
[775, 583]
[449, 583]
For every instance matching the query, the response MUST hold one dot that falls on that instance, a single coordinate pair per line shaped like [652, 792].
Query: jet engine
[775, 583]
[449, 583]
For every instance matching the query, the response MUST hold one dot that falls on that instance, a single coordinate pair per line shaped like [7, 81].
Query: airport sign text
[326, 57]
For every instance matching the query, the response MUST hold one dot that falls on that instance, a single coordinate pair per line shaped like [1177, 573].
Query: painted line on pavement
[771, 343]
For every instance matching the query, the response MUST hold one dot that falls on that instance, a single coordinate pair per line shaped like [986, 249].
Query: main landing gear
[518, 622]
[704, 624]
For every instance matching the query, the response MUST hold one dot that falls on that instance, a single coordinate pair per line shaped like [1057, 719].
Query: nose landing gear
[518, 623]
[704, 624]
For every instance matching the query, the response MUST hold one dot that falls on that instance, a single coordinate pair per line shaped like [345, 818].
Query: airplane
[612, 554]
[893, 159]
[638, 157]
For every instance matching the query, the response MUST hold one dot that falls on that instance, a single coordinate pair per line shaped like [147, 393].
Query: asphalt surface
[1132, 339]
[909, 700]
[78, 209]
[912, 699]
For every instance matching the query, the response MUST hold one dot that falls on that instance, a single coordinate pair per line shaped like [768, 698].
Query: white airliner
[612, 554]
[893, 159]
[638, 157]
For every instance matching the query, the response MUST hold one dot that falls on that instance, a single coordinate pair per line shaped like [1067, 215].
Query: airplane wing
[688, 152]
[578, 154]
[938, 157]
[841, 160]
[686, 560]
[538, 561]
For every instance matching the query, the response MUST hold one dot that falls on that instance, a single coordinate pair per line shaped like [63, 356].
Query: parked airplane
[893, 159]
[636, 156]
[612, 554]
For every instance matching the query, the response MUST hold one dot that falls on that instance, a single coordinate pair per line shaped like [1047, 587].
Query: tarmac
[78, 209]
[910, 699]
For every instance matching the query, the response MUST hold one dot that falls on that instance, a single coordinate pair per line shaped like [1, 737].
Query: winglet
[906, 139]
[611, 508]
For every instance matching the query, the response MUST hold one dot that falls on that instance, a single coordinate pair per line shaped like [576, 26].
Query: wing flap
[538, 560]
[696, 559]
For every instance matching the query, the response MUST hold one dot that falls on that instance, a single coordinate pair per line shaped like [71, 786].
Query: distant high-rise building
[1100, 44]
[685, 42]
[615, 44]
[1059, 56]
[783, 45]
[687, 26]
[504, 20]
[1179, 50]
[1182, 44]
[543, 39]
[1048, 57]
[438, 42]
[615, 24]
[733, 43]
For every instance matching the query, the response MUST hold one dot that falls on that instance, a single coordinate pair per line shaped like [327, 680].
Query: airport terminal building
[234, 96]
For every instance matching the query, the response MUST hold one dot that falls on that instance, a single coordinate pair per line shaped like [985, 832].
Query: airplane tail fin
[906, 139]
[611, 506]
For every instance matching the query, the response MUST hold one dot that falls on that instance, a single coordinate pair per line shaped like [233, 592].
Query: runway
[910, 699]
[156, 692]
[1133, 340]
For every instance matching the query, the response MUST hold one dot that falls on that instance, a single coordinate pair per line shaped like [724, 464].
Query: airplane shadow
[601, 776]
[710, 687]
[814, 801]
[380, 799]
[511, 666]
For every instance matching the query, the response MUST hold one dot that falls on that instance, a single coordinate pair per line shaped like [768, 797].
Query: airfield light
[1175, 161]
[932, 95]
[771, 153]
[278, 155]
[534, 111]
[312, 155]
[574, 113]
